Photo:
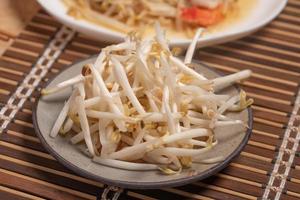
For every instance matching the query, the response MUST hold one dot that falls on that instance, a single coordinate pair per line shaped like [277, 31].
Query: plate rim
[138, 185]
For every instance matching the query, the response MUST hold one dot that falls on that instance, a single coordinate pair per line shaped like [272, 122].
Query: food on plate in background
[183, 16]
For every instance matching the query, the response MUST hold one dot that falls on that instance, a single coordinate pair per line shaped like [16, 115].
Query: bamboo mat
[268, 167]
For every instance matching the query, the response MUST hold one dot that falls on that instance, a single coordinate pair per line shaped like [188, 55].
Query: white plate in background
[263, 12]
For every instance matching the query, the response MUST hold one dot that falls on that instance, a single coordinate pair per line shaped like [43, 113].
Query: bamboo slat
[28, 171]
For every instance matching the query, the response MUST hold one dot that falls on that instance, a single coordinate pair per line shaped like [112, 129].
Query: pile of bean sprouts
[138, 107]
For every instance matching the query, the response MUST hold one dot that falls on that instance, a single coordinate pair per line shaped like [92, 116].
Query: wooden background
[269, 162]
[13, 17]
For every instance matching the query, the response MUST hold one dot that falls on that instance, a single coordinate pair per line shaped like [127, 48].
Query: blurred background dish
[241, 21]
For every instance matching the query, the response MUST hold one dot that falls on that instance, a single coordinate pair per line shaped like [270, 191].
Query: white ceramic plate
[263, 12]
[230, 141]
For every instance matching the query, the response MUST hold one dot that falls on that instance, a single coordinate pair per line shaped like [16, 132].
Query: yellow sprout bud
[130, 127]
[244, 103]
[186, 161]
[163, 131]
[210, 113]
[176, 51]
[169, 171]
[48, 91]
[62, 132]
[187, 146]
[109, 85]
[150, 148]
[184, 107]
[186, 78]
[126, 109]
[115, 137]
[150, 126]
[75, 119]
[210, 141]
